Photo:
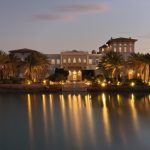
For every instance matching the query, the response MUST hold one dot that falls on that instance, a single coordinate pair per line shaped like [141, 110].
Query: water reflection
[134, 112]
[30, 120]
[76, 116]
[106, 121]
[64, 117]
[52, 117]
[89, 112]
[85, 121]
[45, 118]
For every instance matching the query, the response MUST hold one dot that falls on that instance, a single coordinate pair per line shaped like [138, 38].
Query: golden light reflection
[52, 112]
[64, 116]
[118, 99]
[134, 112]
[45, 115]
[75, 114]
[79, 101]
[30, 119]
[77, 119]
[70, 101]
[89, 113]
[106, 121]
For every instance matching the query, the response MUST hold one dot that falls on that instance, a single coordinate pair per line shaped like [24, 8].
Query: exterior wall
[125, 46]
[93, 61]
[55, 62]
[74, 61]
[71, 59]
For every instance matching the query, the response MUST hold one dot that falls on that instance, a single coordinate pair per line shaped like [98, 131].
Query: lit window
[58, 61]
[120, 44]
[79, 60]
[64, 60]
[102, 49]
[90, 61]
[69, 60]
[74, 60]
[125, 49]
[84, 60]
[125, 44]
[53, 61]
[79, 72]
[114, 44]
[120, 49]
[115, 49]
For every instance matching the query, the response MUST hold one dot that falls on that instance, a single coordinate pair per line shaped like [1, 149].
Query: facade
[125, 46]
[74, 61]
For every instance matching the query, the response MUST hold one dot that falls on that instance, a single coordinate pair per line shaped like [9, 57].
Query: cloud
[74, 11]
[52, 17]
[88, 8]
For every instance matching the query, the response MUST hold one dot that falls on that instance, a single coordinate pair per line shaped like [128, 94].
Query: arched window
[90, 61]
[79, 72]
[125, 49]
[70, 73]
[79, 60]
[120, 49]
[53, 61]
[84, 60]
[74, 60]
[69, 60]
[64, 60]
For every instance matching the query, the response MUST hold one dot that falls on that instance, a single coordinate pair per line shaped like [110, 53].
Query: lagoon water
[73, 121]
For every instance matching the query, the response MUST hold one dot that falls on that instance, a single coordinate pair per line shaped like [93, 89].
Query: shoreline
[39, 88]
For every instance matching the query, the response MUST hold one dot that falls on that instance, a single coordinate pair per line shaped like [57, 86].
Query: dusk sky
[51, 26]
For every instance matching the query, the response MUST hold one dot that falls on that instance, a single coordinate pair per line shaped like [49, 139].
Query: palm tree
[14, 64]
[113, 63]
[35, 65]
[140, 63]
[146, 60]
[134, 62]
[3, 64]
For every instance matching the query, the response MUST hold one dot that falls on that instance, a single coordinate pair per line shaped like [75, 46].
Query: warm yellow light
[103, 84]
[62, 82]
[132, 84]
[28, 82]
[50, 82]
[118, 83]
[88, 83]
[34, 80]
[44, 81]
[149, 83]
[109, 82]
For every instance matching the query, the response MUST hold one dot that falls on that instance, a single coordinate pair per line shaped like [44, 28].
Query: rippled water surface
[74, 121]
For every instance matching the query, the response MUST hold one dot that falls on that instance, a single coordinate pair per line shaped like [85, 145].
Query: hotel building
[125, 46]
[75, 61]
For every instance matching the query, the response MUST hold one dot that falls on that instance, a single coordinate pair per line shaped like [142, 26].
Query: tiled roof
[121, 39]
